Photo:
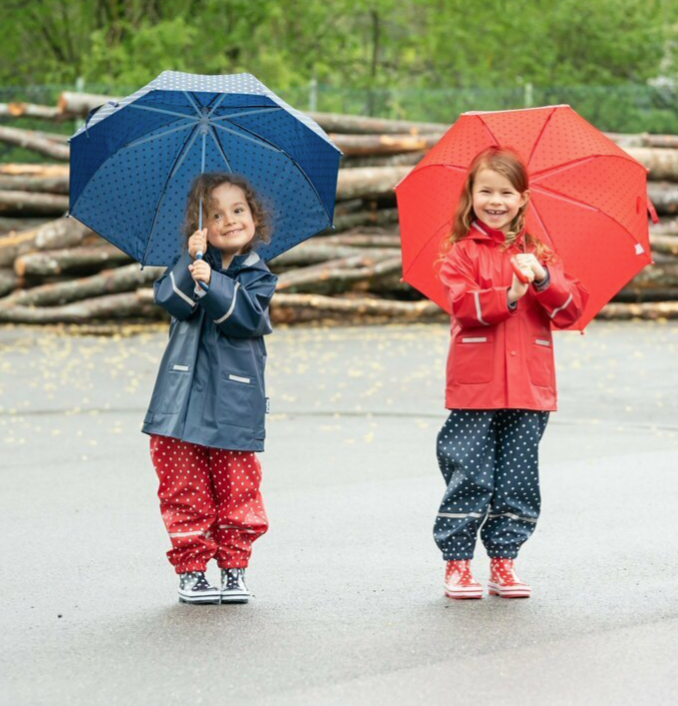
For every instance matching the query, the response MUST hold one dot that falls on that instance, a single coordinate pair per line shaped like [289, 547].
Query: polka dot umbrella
[588, 198]
[133, 161]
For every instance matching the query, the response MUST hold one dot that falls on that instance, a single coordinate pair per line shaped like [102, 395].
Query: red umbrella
[589, 198]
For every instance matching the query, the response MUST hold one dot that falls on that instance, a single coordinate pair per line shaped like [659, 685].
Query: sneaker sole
[213, 599]
[478, 593]
[235, 599]
[497, 590]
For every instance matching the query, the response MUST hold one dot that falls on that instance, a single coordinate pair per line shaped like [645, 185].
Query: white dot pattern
[490, 462]
[210, 503]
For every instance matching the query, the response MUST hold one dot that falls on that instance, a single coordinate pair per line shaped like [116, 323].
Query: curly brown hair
[202, 188]
[507, 163]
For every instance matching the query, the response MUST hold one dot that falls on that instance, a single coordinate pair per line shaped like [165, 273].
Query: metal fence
[629, 108]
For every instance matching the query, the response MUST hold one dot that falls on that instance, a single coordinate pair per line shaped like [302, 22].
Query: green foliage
[409, 58]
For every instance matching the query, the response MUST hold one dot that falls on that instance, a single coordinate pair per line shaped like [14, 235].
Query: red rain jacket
[502, 358]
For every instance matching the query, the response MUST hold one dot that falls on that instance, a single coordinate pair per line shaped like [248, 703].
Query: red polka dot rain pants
[210, 503]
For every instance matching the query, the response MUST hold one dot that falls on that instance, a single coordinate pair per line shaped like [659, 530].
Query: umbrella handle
[518, 273]
[204, 285]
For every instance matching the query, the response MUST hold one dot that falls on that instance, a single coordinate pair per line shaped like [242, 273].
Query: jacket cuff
[542, 284]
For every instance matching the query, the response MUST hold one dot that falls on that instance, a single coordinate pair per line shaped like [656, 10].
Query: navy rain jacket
[210, 386]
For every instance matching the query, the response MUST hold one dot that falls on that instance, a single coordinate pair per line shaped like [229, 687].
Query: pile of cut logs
[53, 269]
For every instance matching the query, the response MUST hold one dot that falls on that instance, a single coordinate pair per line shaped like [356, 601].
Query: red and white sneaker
[459, 583]
[504, 581]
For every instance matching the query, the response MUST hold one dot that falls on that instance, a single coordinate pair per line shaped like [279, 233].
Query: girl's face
[496, 202]
[230, 224]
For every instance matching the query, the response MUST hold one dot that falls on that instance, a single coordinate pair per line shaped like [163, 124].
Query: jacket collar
[213, 257]
[481, 231]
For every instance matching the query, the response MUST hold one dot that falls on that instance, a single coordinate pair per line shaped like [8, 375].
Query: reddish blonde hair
[507, 163]
[202, 188]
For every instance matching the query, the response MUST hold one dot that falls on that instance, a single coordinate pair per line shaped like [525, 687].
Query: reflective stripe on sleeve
[476, 296]
[232, 307]
[560, 308]
[176, 290]
[459, 515]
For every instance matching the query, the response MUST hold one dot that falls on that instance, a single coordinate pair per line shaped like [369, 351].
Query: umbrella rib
[246, 112]
[216, 105]
[541, 132]
[182, 155]
[289, 156]
[485, 125]
[550, 171]
[143, 140]
[570, 200]
[160, 110]
[221, 151]
[193, 102]
[177, 163]
[436, 234]
[259, 142]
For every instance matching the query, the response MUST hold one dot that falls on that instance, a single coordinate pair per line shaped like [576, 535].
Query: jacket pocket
[177, 381]
[473, 360]
[240, 402]
[540, 361]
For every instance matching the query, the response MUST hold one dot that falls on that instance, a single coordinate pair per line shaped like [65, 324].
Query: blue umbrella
[133, 162]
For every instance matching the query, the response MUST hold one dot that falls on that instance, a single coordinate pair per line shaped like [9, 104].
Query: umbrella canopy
[133, 162]
[588, 198]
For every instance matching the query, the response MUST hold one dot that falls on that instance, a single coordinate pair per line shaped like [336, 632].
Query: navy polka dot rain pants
[489, 459]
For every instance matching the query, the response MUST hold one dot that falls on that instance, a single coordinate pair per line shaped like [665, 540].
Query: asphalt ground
[348, 605]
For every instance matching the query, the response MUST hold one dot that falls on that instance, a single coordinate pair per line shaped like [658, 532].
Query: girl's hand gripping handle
[204, 285]
[518, 272]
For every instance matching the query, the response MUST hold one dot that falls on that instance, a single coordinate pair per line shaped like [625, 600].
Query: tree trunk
[74, 260]
[28, 110]
[357, 125]
[650, 310]
[293, 308]
[645, 294]
[384, 144]
[15, 225]
[122, 279]
[51, 185]
[664, 196]
[375, 217]
[363, 240]
[659, 275]
[662, 163]
[8, 281]
[643, 139]
[35, 170]
[78, 105]
[394, 160]
[369, 182]
[20, 202]
[31, 141]
[665, 244]
[61, 233]
[112, 306]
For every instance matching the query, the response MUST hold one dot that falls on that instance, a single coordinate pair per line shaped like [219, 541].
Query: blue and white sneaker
[195, 588]
[233, 588]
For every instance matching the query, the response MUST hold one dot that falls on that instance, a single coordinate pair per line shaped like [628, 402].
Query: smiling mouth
[233, 232]
[495, 213]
